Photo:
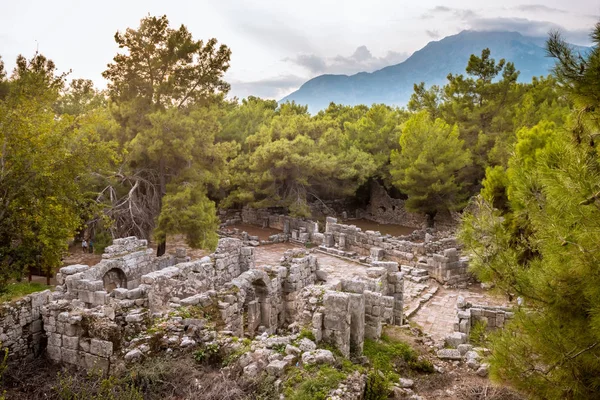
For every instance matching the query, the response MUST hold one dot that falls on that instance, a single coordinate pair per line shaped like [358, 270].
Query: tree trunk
[161, 247]
[430, 219]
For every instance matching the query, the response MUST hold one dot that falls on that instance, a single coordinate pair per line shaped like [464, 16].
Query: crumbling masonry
[99, 316]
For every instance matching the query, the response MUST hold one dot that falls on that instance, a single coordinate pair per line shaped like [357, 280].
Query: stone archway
[114, 278]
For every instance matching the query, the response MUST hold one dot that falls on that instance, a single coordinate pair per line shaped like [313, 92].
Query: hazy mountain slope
[431, 64]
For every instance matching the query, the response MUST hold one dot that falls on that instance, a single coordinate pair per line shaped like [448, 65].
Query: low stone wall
[21, 329]
[447, 267]
[82, 338]
[300, 230]
[493, 317]
[356, 310]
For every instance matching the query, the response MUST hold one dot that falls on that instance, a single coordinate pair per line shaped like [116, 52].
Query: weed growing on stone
[209, 353]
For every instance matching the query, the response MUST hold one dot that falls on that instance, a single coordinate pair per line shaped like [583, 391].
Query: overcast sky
[278, 45]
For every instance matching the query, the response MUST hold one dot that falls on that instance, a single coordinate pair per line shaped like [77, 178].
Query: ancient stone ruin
[99, 316]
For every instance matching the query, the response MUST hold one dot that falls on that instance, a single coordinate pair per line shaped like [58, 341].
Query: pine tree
[543, 247]
[426, 167]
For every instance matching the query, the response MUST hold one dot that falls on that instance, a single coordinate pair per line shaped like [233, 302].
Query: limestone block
[54, 352]
[376, 272]
[70, 342]
[319, 356]
[456, 338]
[377, 253]
[449, 354]
[276, 367]
[101, 348]
[55, 339]
[73, 269]
[306, 344]
[100, 297]
[91, 361]
[353, 286]
[133, 355]
[70, 356]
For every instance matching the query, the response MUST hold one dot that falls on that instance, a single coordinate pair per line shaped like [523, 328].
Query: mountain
[394, 84]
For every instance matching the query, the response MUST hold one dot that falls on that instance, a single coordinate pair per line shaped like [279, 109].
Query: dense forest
[162, 148]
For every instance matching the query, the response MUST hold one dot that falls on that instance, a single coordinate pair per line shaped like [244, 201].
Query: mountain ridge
[431, 64]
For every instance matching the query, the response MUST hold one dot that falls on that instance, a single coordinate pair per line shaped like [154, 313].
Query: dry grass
[487, 392]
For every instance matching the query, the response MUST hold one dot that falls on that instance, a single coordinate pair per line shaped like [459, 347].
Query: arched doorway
[113, 279]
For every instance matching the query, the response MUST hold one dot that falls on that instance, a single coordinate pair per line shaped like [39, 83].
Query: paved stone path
[336, 268]
[437, 316]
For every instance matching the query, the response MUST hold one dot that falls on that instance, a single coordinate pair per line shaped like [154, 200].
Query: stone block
[376, 272]
[456, 338]
[70, 342]
[276, 367]
[91, 361]
[70, 356]
[101, 348]
[54, 352]
[55, 339]
[449, 354]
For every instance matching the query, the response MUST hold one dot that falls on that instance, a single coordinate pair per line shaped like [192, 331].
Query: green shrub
[209, 354]
[312, 382]
[102, 240]
[377, 387]
[478, 336]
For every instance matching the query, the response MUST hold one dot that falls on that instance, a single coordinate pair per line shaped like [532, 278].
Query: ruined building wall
[21, 329]
[298, 229]
[492, 316]
[386, 210]
[440, 258]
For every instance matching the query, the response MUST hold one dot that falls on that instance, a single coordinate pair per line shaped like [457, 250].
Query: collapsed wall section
[21, 328]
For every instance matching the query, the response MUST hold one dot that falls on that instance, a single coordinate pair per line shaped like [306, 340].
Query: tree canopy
[426, 167]
[540, 242]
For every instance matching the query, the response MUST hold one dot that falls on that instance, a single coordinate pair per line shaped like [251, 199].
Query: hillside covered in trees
[162, 149]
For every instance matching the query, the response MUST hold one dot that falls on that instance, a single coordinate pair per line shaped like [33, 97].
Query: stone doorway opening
[257, 309]
[113, 279]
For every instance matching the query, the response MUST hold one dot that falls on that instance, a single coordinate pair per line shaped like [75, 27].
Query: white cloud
[269, 88]
[362, 60]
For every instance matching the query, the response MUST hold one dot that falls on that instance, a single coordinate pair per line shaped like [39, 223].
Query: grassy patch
[17, 290]
[389, 356]
[312, 382]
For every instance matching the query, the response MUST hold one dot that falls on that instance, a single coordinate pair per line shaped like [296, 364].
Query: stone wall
[81, 337]
[493, 317]
[385, 209]
[101, 315]
[299, 229]
[439, 257]
[21, 329]
[122, 267]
